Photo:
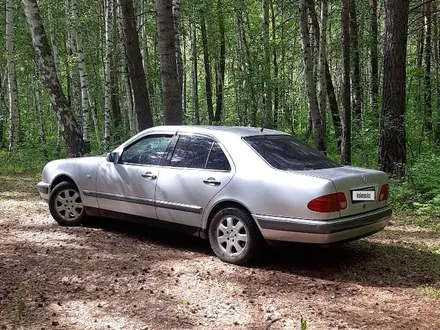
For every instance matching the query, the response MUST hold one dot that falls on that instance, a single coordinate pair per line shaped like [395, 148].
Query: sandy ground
[116, 275]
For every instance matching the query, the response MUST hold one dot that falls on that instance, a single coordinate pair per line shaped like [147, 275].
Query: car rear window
[287, 153]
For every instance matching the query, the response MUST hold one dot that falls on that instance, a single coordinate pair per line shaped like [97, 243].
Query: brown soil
[116, 275]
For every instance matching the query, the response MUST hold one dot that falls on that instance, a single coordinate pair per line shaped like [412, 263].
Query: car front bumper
[323, 231]
[43, 189]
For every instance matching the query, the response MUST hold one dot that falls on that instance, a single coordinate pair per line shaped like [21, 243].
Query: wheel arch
[221, 205]
[60, 178]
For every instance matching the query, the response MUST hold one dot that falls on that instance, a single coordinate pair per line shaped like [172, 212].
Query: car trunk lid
[350, 180]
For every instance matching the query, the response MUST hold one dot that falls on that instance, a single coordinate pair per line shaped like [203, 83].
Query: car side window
[146, 151]
[191, 151]
[217, 159]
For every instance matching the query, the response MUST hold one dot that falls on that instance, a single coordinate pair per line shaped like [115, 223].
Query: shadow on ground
[109, 260]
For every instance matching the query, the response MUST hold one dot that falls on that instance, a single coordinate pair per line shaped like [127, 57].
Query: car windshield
[287, 153]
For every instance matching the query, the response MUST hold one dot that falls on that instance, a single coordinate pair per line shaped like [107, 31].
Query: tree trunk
[194, 75]
[427, 78]
[136, 71]
[171, 90]
[177, 43]
[437, 84]
[207, 63]
[73, 84]
[333, 102]
[355, 69]
[346, 113]
[392, 146]
[220, 65]
[12, 79]
[309, 76]
[242, 105]
[275, 69]
[374, 59]
[108, 5]
[85, 94]
[323, 62]
[39, 106]
[71, 131]
[2, 110]
[267, 118]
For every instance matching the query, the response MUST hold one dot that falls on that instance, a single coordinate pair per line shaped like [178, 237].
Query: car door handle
[149, 175]
[211, 182]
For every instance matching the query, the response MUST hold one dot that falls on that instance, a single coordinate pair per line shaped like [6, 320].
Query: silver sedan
[239, 187]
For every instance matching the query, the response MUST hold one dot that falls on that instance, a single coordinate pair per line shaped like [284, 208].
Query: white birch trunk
[107, 73]
[85, 95]
[46, 66]
[74, 85]
[12, 79]
[143, 32]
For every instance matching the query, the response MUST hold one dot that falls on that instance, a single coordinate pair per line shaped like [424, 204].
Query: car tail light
[384, 192]
[328, 203]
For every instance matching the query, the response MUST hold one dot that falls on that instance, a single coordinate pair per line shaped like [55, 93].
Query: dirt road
[114, 275]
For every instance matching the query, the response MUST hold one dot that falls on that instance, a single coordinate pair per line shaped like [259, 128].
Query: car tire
[234, 237]
[65, 204]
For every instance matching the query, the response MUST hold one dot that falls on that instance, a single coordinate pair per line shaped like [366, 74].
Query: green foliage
[431, 292]
[303, 324]
[420, 193]
[424, 176]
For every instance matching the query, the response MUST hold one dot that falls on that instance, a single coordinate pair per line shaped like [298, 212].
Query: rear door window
[287, 153]
[201, 152]
[191, 151]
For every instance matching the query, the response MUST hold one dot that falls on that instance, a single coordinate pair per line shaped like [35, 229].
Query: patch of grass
[431, 292]
[427, 221]
[303, 324]
[19, 310]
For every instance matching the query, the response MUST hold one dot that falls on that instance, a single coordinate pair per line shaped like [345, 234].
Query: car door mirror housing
[113, 157]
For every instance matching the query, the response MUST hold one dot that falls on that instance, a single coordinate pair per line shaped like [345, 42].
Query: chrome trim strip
[115, 197]
[145, 201]
[323, 226]
[179, 207]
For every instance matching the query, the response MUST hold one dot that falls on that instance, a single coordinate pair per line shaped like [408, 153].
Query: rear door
[197, 170]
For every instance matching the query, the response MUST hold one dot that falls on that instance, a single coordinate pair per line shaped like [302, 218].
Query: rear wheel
[234, 236]
[65, 204]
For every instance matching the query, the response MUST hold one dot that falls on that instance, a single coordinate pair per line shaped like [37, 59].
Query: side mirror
[113, 157]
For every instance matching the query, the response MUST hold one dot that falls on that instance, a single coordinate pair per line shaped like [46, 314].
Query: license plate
[363, 195]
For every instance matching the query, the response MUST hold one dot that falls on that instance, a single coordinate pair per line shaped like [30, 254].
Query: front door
[129, 186]
[196, 172]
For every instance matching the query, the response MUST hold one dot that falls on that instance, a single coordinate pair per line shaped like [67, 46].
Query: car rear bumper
[323, 231]
[43, 189]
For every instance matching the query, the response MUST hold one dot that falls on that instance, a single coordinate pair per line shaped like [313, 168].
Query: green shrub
[424, 176]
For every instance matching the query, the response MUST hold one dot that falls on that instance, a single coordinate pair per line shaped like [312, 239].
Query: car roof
[239, 131]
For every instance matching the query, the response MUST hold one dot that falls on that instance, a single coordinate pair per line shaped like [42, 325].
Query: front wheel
[234, 236]
[65, 205]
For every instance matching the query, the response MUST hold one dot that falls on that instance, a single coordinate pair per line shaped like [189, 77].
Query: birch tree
[85, 94]
[70, 129]
[107, 71]
[12, 79]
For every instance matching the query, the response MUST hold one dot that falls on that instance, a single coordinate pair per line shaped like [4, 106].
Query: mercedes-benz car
[239, 187]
